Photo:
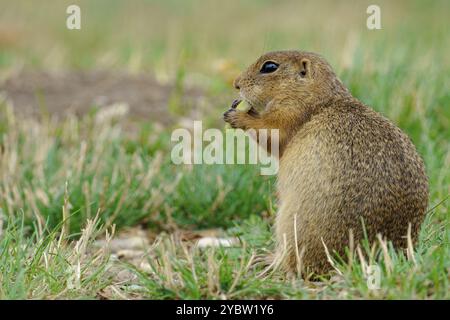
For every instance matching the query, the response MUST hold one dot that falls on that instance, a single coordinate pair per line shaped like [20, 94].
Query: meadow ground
[91, 205]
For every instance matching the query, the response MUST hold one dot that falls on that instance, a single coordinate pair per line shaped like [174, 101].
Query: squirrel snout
[236, 83]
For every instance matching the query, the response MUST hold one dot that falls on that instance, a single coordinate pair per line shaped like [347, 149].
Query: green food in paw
[243, 106]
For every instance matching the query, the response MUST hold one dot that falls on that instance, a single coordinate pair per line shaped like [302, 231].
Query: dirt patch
[78, 92]
[134, 248]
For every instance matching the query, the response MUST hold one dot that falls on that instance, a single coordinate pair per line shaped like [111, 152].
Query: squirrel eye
[269, 67]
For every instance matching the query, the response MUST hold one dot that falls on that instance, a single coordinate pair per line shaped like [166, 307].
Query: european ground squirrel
[340, 163]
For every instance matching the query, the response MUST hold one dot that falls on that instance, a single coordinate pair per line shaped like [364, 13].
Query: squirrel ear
[305, 68]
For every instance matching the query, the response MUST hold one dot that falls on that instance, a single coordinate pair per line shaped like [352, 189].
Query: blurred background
[162, 36]
[205, 44]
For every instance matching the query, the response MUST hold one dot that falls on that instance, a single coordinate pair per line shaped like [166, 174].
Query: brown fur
[340, 161]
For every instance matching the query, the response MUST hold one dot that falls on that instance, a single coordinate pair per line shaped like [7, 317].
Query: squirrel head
[289, 77]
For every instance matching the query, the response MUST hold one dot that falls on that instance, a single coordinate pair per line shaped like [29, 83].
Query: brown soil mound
[78, 92]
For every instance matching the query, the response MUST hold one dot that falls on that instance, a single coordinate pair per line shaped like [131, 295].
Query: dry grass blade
[387, 257]
[330, 258]
[410, 247]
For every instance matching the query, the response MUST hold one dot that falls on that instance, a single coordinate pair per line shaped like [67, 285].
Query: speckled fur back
[348, 164]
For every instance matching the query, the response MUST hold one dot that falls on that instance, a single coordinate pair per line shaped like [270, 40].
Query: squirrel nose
[236, 83]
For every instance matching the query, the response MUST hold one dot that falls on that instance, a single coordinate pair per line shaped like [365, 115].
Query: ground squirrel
[341, 162]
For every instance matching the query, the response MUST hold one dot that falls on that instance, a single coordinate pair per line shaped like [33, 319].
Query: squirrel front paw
[234, 118]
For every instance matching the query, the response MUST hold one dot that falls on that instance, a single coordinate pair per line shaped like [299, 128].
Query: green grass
[51, 266]
[128, 180]
[56, 176]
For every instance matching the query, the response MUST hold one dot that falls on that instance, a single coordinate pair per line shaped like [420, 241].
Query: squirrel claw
[228, 116]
